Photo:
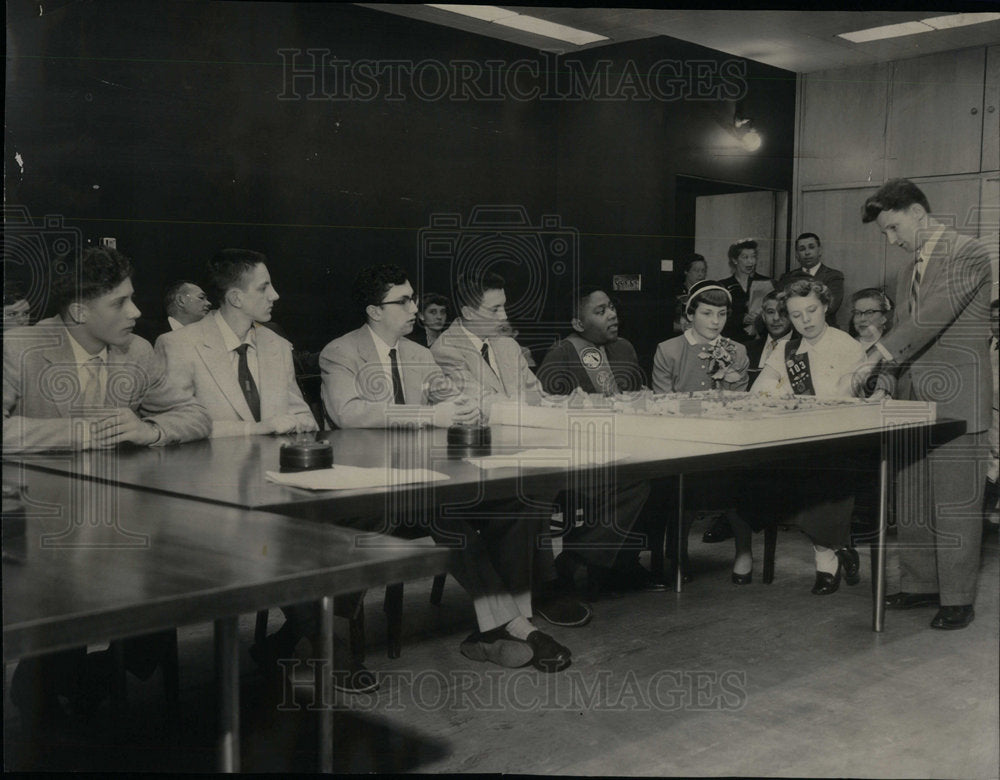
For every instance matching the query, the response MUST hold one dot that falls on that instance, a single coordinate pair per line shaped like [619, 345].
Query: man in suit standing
[939, 352]
[241, 372]
[374, 376]
[185, 303]
[82, 380]
[809, 253]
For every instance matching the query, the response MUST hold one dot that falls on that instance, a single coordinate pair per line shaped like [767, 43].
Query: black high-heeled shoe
[851, 564]
[826, 583]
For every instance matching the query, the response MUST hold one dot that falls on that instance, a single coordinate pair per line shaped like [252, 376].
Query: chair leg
[876, 573]
[260, 630]
[393, 606]
[770, 543]
[437, 589]
[171, 671]
[119, 684]
[357, 634]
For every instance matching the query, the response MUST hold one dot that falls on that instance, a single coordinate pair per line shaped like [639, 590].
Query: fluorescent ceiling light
[886, 31]
[959, 20]
[551, 30]
[496, 15]
[487, 13]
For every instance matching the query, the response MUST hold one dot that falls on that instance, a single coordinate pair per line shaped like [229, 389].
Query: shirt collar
[693, 340]
[380, 346]
[927, 250]
[229, 338]
[476, 341]
[174, 324]
[81, 355]
[805, 346]
[814, 270]
[780, 338]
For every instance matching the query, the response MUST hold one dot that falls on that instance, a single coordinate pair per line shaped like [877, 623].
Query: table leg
[878, 563]
[324, 684]
[679, 553]
[227, 673]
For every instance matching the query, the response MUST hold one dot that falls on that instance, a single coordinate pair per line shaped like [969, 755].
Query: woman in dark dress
[745, 287]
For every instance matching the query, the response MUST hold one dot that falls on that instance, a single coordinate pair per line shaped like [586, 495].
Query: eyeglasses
[406, 300]
[867, 312]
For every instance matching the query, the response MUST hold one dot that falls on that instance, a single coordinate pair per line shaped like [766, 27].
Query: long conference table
[100, 561]
[232, 472]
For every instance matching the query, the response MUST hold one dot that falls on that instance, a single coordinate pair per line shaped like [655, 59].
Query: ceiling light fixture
[531, 24]
[913, 28]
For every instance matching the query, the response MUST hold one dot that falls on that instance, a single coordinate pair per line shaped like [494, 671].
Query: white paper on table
[347, 477]
[547, 457]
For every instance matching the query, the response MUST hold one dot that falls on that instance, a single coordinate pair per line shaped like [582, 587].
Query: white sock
[520, 627]
[826, 559]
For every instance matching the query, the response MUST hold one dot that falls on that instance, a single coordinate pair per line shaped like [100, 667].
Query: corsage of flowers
[720, 356]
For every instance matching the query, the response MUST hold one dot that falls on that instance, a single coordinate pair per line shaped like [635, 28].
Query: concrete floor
[720, 680]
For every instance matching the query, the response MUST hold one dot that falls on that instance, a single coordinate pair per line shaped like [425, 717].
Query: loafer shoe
[548, 654]
[952, 617]
[563, 611]
[718, 531]
[851, 564]
[499, 647]
[903, 600]
[826, 583]
[355, 679]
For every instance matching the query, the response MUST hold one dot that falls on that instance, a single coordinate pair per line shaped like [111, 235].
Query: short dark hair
[583, 293]
[174, 292]
[713, 297]
[81, 278]
[774, 294]
[807, 235]
[803, 288]
[739, 246]
[685, 263]
[433, 299]
[894, 195]
[13, 292]
[227, 268]
[471, 288]
[374, 281]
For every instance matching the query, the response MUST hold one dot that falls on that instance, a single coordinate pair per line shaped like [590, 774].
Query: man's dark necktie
[247, 385]
[397, 382]
[485, 351]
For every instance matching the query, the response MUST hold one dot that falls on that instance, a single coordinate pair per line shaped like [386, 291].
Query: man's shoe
[952, 617]
[851, 564]
[562, 610]
[826, 583]
[499, 647]
[903, 600]
[718, 531]
[632, 575]
[549, 655]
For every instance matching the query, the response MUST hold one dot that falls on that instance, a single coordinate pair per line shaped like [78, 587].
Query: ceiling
[800, 41]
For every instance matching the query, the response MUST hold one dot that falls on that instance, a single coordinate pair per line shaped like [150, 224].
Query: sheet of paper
[347, 477]
[546, 458]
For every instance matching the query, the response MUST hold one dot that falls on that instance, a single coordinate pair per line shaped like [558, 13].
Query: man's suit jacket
[943, 346]
[510, 380]
[831, 277]
[357, 391]
[41, 390]
[198, 360]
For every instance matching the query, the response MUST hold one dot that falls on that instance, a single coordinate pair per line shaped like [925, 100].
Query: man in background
[185, 303]
[809, 253]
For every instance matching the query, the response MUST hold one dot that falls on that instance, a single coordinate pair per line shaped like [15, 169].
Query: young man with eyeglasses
[374, 376]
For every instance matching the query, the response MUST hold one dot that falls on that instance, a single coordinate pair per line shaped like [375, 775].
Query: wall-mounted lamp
[745, 132]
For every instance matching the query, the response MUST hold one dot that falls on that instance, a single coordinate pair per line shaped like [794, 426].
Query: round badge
[591, 358]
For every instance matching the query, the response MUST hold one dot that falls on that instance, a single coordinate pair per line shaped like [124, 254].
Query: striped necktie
[918, 272]
[92, 396]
